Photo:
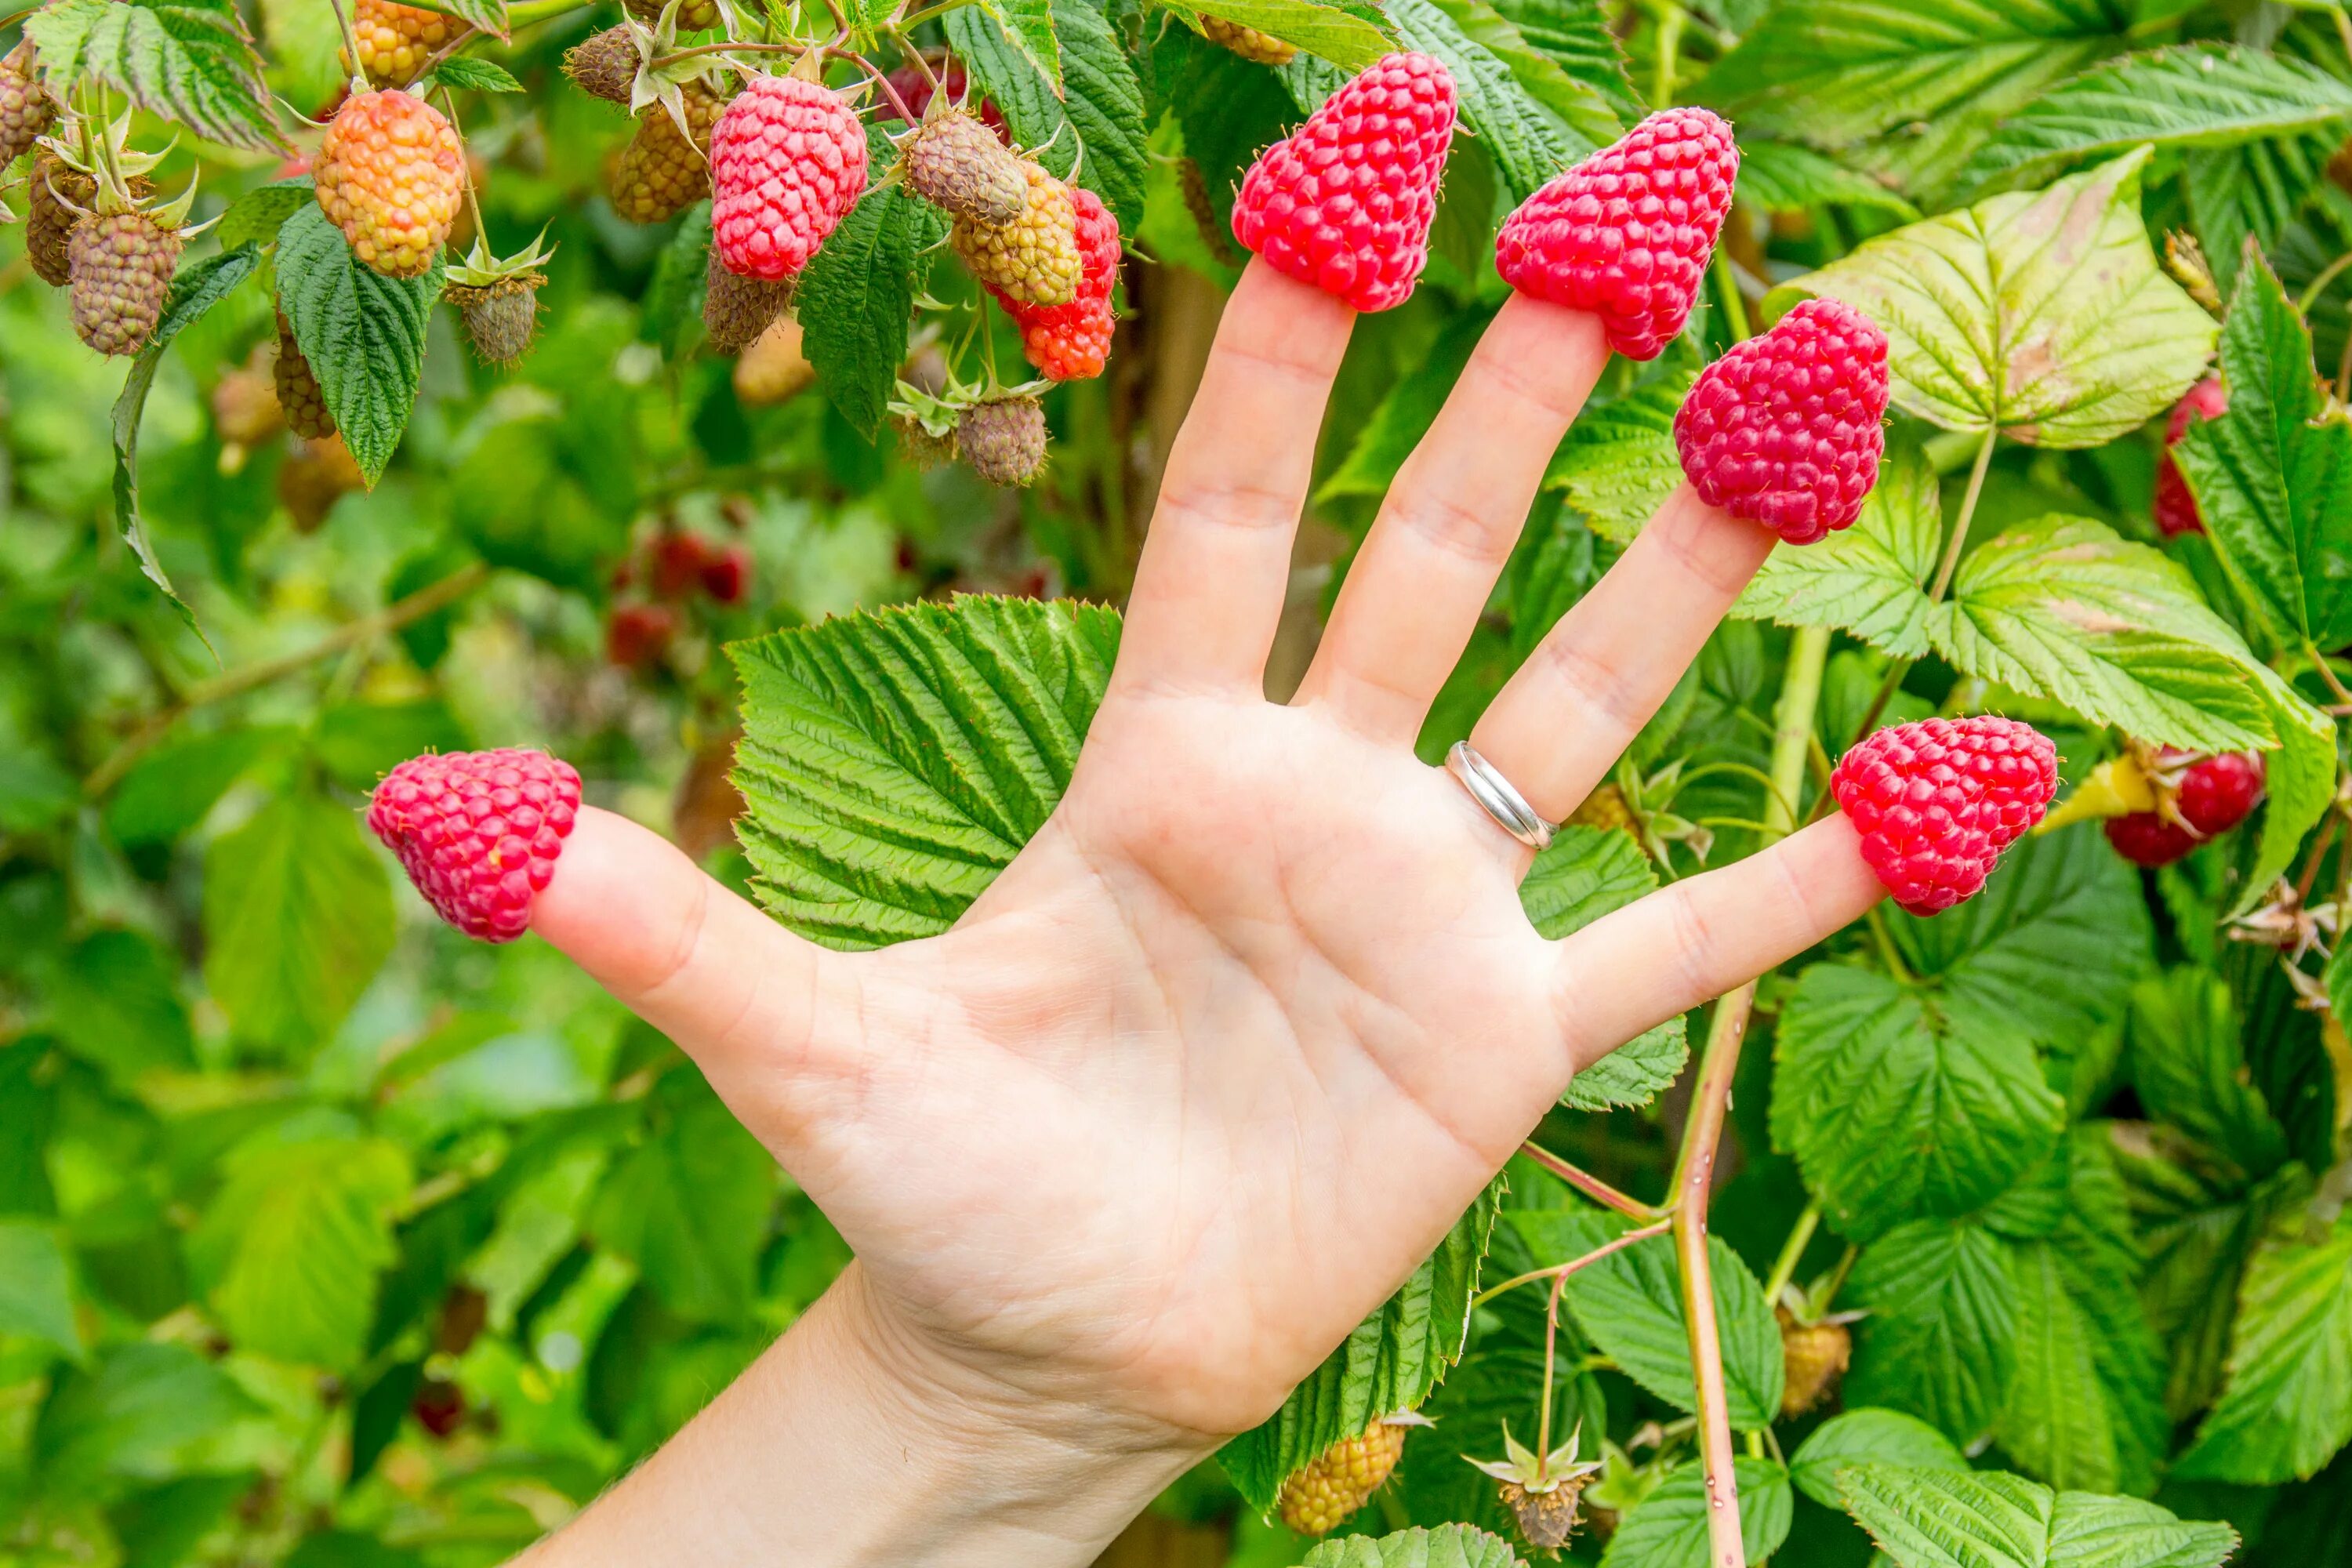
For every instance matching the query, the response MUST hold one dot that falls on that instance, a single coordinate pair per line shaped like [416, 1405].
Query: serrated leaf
[490, 15]
[37, 1286]
[2251, 191]
[1090, 119]
[1941, 1340]
[469, 73]
[1405, 413]
[689, 1206]
[1447, 1546]
[117, 1004]
[1347, 40]
[1582, 111]
[190, 62]
[1029, 25]
[1528, 142]
[2042, 315]
[254, 217]
[1870, 579]
[1629, 1304]
[1863, 1437]
[1390, 1361]
[141, 1412]
[363, 333]
[857, 295]
[1788, 176]
[298, 919]
[2298, 782]
[1577, 37]
[1618, 463]
[892, 764]
[1668, 1528]
[1942, 1519]
[2287, 1405]
[1585, 874]
[2189, 1067]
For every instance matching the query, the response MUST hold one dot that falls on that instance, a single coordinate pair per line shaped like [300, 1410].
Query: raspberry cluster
[478, 832]
[2198, 797]
[1937, 801]
[787, 162]
[1072, 341]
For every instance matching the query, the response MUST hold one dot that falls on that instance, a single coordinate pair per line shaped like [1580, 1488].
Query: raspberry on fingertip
[1936, 801]
[478, 832]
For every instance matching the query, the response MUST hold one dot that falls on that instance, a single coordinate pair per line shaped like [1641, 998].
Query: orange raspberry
[391, 176]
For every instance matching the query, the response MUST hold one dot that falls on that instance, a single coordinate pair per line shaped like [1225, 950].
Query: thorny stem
[1784, 1267]
[1591, 1186]
[880, 80]
[1563, 1270]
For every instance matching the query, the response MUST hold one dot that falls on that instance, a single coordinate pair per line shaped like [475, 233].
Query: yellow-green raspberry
[1247, 42]
[1034, 258]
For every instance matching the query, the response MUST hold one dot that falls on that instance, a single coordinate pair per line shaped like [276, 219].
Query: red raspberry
[1936, 801]
[636, 635]
[2201, 795]
[1345, 201]
[787, 162]
[1784, 428]
[1627, 233]
[478, 832]
[678, 558]
[2175, 508]
[727, 574]
[1070, 343]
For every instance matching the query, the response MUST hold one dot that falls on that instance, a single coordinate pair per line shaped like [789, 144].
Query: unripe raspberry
[773, 370]
[1333, 1485]
[313, 479]
[923, 450]
[1034, 258]
[499, 317]
[49, 221]
[1937, 801]
[392, 176]
[1627, 233]
[1071, 342]
[1263, 48]
[787, 162]
[1345, 202]
[2198, 798]
[1606, 808]
[605, 65]
[27, 111]
[396, 40]
[956, 164]
[2175, 509]
[120, 268]
[299, 397]
[693, 15]
[478, 832]
[661, 174]
[244, 404]
[1814, 1356]
[736, 311]
[1003, 439]
[1785, 429]
[916, 91]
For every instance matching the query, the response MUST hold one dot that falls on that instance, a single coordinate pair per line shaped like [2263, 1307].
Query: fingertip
[615, 884]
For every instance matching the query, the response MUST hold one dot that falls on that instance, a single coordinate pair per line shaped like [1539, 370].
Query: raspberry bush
[431, 420]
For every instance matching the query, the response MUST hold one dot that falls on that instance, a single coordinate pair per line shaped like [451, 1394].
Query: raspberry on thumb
[1345, 201]
[478, 832]
[1937, 801]
[1785, 429]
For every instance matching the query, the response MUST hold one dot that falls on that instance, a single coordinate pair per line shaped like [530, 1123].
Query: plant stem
[932, 14]
[1888, 954]
[2319, 286]
[350, 41]
[1735, 304]
[1591, 1186]
[1784, 1267]
[881, 80]
[2319, 662]
[1563, 1270]
[1672, 18]
[1967, 512]
[1551, 1345]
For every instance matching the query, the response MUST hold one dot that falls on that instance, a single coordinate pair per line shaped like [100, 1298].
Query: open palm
[1219, 1056]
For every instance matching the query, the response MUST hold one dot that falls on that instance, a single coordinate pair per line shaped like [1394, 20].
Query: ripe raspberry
[1034, 258]
[2198, 797]
[636, 635]
[605, 65]
[499, 317]
[1341, 1479]
[693, 15]
[439, 1406]
[1784, 429]
[677, 559]
[727, 574]
[1345, 201]
[1936, 801]
[120, 268]
[391, 176]
[787, 162]
[923, 450]
[1627, 233]
[396, 40]
[916, 91]
[478, 832]
[773, 370]
[1814, 1356]
[1003, 439]
[2175, 508]
[660, 173]
[26, 110]
[1263, 48]
[956, 164]
[736, 311]
[1071, 342]
[313, 479]
[299, 397]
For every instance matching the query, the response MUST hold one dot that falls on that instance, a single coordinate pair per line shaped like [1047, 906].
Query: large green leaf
[2085, 1405]
[117, 1005]
[1092, 115]
[1789, 176]
[857, 295]
[1586, 873]
[1868, 1436]
[2189, 1067]
[2287, 1405]
[1940, 1341]
[144, 1411]
[1389, 1362]
[893, 764]
[1583, 109]
[2043, 315]
[1447, 1546]
[689, 1206]
[1578, 36]
[1527, 140]
[1872, 579]
[2252, 192]
[1405, 412]
[1618, 464]
[1668, 1528]
[1986, 1518]
[37, 1286]
[191, 61]
[298, 919]
[363, 333]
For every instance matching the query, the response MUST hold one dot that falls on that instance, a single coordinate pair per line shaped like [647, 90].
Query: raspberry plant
[2011, 1237]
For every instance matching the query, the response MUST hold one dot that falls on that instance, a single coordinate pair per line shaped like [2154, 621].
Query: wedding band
[1492, 790]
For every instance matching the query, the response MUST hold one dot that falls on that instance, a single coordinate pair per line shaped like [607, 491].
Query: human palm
[1222, 1054]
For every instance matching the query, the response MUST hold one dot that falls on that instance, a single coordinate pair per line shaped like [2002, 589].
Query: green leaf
[28, 1106]
[191, 61]
[2187, 97]
[1618, 463]
[2299, 784]
[254, 217]
[1404, 414]
[1029, 26]
[1094, 107]
[2287, 1405]
[2042, 315]
[1579, 37]
[118, 1005]
[1940, 1341]
[1870, 580]
[489, 15]
[893, 764]
[1347, 40]
[1788, 176]
[1447, 1546]
[1868, 1436]
[2272, 475]
[37, 1286]
[1668, 1528]
[298, 919]
[469, 73]
[144, 1411]
[1629, 1304]
[1389, 1362]
[1943, 1518]
[1586, 873]
[857, 294]
[1528, 142]
[289, 1251]
[2190, 1069]
[363, 333]
[2252, 192]
[1582, 109]
[689, 1206]
[1896, 1110]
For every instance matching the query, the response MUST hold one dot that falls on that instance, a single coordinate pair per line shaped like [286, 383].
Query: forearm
[839, 1448]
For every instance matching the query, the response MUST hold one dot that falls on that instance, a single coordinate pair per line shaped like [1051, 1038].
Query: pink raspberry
[1784, 428]
[2201, 795]
[1936, 801]
[2175, 508]
[787, 162]
[478, 832]
[1072, 341]
[1627, 233]
[1345, 201]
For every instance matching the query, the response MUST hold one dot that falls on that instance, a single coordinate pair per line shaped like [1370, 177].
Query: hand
[1224, 1051]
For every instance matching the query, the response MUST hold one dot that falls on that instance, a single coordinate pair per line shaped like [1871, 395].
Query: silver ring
[1492, 790]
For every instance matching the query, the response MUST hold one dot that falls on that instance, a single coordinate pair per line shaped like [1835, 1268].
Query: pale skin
[1224, 1052]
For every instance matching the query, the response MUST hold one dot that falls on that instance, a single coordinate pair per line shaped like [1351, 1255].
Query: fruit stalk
[1591, 1186]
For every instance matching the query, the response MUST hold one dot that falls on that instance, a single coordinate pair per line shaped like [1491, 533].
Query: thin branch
[1968, 513]
[2319, 662]
[1784, 1267]
[1591, 1186]
[1562, 1270]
